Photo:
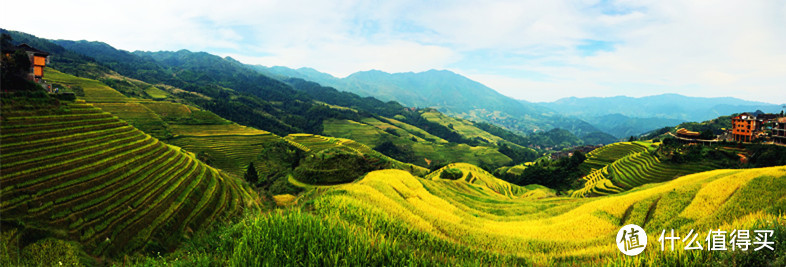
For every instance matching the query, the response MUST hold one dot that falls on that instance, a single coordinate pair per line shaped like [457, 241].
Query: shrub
[51, 251]
[451, 173]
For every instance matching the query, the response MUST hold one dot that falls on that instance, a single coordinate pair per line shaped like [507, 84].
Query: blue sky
[531, 50]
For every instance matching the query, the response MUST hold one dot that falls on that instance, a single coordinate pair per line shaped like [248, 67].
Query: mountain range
[449, 93]
[460, 96]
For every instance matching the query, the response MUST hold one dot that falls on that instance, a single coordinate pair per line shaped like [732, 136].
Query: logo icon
[631, 239]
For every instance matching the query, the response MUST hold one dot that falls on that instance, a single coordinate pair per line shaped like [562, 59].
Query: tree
[251, 174]
[707, 134]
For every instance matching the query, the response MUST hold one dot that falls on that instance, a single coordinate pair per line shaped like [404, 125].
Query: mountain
[448, 92]
[234, 91]
[622, 126]
[666, 106]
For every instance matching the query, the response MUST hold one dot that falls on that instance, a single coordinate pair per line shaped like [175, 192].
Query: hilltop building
[682, 132]
[743, 127]
[38, 60]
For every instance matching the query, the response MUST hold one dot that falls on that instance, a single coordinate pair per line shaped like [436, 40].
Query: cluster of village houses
[749, 127]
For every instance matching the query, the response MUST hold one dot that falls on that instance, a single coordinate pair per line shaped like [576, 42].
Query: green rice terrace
[631, 165]
[605, 155]
[316, 145]
[75, 172]
[425, 148]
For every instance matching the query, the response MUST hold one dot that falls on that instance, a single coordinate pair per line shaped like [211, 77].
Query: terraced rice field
[314, 143]
[463, 127]
[473, 175]
[634, 170]
[95, 91]
[139, 116]
[176, 113]
[84, 175]
[230, 153]
[605, 155]
[371, 133]
[550, 230]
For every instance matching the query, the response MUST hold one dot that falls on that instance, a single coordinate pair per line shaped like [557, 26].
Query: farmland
[230, 153]
[94, 91]
[392, 217]
[78, 173]
[315, 143]
[424, 147]
[624, 166]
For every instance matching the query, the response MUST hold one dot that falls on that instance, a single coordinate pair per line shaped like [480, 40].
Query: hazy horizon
[530, 50]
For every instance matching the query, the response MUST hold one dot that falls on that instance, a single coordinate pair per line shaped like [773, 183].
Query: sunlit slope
[94, 91]
[79, 173]
[315, 143]
[635, 169]
[224, 144]
[605, 155]
[558, 229]
[425, 147]
[475, 178]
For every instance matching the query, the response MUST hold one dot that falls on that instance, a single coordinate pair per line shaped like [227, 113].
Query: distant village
[747, 127]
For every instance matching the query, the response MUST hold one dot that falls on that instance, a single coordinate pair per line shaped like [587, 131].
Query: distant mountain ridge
[624, 116]
[449, 92]
[667, 106]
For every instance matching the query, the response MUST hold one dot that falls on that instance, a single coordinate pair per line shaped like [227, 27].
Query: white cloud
[732, 48]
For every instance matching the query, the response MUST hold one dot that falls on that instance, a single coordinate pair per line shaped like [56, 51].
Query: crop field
[213, 130]
[95, 91]
[413, 130]
[139, 116]
[473, 175]
[176, 113]
[549, 230]
[632, 170]
[84, 175]
[605, 155]
[373, 134]
[230, 153]
[315, 143]
[463, 127]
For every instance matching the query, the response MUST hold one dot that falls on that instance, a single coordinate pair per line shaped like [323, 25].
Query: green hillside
[322, 146]
[410, 144]
[75, 172]
[451, 93]
[393, 218]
